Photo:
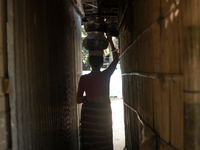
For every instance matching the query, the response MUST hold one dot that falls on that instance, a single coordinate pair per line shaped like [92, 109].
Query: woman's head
[96, 61]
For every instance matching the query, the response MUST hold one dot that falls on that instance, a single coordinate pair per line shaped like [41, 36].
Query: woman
[96, 115]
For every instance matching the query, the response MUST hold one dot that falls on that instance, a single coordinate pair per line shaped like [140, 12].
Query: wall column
[192, 88]
[191, 62]
[4, 103]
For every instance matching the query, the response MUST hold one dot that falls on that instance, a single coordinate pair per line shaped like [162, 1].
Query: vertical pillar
[191, 71]
[4, 105]
[192, 88]
[12, 96]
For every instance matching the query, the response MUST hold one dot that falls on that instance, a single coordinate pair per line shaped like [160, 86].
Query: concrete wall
[159, 47]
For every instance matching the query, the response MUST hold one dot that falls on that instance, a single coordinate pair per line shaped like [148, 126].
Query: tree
[85, 52]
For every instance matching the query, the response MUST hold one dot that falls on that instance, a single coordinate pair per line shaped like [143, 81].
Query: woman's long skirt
[96, 126]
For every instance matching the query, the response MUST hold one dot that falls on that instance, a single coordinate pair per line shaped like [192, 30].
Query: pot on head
[95, 41]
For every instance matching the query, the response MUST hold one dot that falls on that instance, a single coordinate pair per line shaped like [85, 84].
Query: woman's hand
[113, 50]
[109, 37]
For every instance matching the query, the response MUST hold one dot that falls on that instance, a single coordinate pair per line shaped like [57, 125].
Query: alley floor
[118, 123]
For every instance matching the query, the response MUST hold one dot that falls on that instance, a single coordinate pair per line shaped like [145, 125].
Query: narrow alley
[41, 61]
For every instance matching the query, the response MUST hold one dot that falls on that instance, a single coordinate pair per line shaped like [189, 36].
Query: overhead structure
[107, 9]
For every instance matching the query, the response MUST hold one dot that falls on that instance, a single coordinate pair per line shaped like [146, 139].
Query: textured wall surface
[159, 47]
[44, 42]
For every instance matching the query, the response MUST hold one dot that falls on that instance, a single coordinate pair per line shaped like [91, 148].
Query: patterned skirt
[96, 126]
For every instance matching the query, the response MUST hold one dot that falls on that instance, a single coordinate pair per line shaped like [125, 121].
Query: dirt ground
[118, 123]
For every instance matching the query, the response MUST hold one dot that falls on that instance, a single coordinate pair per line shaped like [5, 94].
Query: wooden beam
[104, 14]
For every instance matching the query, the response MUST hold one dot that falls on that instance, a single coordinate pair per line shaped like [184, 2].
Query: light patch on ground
[118, 123]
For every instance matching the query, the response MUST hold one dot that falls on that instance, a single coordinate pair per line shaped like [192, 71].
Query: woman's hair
[96, 61]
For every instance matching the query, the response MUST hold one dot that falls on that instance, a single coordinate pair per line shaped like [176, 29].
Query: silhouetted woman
[96, 115]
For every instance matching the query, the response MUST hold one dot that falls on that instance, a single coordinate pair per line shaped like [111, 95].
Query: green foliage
[85, 55]
[85, 52]
[84, 34]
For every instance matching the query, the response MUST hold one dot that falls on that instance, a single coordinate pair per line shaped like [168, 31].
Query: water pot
[95, 41]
